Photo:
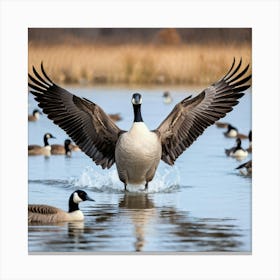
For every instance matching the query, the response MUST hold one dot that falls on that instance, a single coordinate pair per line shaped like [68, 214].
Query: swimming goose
[60, 149]
[34, 150]
[167, 99]
[237, 152]
[137, 152]
[115, 117]
[38, 213]
[245, 168]
[35, 116]
[232, 132]
[221, 124]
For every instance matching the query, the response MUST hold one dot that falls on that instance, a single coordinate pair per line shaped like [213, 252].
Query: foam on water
[167, 179]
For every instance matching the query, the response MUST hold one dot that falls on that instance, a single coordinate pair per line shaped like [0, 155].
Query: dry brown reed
[141, 64]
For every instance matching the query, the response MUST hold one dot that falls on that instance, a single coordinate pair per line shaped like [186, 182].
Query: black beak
[89, 198]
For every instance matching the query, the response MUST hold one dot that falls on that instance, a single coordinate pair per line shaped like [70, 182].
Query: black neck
[67, 149]
[238, 146]
[137, 113]
[72, 205]
[46, 141]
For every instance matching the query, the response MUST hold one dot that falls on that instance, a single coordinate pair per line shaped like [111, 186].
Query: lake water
[202, 204]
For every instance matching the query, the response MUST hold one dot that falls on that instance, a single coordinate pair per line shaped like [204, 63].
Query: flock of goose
[138, 151]
[237, 151]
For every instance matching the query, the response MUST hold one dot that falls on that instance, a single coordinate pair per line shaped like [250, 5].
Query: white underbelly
[137, 155]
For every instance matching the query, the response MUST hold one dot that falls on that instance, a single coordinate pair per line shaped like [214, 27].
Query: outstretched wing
[84, 121]
[192, 116]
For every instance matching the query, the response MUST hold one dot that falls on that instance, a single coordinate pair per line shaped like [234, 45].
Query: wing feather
[192, 116]
[84, 121]
[42, 209]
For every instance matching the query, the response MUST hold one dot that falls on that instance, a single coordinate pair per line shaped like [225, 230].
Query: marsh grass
[140, 64]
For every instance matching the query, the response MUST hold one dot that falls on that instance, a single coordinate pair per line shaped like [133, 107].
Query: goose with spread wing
[137, 152]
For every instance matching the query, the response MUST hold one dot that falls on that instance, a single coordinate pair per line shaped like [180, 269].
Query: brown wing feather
[42, 209]
[33, 147]
[84, 121]
[191, 117]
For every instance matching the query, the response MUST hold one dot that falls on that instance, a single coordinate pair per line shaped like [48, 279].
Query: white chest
[37, 116]
[240, 153]
[167, 100]
[76, 215]
[232, 133]
[140, 140]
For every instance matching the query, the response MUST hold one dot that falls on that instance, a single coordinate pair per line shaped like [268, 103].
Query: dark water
[202, 204]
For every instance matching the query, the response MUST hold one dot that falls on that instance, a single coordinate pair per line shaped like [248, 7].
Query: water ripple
[166, 180]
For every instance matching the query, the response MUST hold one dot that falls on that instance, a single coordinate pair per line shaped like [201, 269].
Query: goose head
[77, 197]
[230, 127]
[47, 136]
[136, 99]
[136, 102]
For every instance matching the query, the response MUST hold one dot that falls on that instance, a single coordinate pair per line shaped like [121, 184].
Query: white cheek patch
[76, 198]
[37, 116]
[133, 101]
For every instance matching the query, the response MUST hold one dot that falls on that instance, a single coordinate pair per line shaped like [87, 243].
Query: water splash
[167, 179]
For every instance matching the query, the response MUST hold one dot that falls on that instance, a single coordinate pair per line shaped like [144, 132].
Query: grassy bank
[87, 64]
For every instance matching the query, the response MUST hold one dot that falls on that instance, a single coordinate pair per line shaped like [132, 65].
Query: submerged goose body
[167, 98]
[74, 148]
[221, 124]
[35, 116]
[115, 117]
[232, 132]
[237, 152]
[137, 152]
[34, 150]
[61, 149]
[39, 213]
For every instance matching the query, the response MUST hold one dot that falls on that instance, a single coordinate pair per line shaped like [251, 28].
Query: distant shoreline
[136, 64]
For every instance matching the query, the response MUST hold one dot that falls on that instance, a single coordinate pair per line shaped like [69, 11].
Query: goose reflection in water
[76, 229]
[186, 232]
[141, 211]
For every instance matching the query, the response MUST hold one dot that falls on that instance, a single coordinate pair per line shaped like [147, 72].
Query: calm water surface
[202, 204]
